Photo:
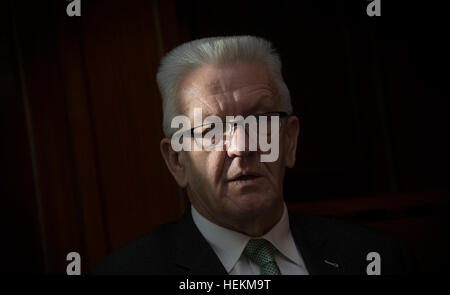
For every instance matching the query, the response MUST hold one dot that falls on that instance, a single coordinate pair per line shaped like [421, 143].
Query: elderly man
[238, 222]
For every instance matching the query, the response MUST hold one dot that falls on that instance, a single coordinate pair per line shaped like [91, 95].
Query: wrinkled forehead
[238, 89]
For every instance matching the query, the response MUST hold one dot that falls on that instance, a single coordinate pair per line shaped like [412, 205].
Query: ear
[291, 139]
[174, 162]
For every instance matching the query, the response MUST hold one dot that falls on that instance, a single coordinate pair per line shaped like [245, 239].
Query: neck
[257, 226]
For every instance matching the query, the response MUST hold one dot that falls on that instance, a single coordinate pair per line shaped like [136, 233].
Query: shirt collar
[229, 244]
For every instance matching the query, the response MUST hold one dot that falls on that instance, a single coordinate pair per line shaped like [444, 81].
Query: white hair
[216, 50]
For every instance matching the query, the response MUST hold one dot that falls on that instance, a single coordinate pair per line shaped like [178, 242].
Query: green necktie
[261, 252]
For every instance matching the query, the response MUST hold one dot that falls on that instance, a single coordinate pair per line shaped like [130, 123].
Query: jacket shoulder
[335, 228]
[149, 254]
[354, 242]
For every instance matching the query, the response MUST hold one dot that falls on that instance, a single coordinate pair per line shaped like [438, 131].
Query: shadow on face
[231, 185]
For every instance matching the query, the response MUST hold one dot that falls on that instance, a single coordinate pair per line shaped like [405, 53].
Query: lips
[245, 176]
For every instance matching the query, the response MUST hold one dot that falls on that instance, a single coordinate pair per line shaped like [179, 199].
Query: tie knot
[257, 247]
[261, 252]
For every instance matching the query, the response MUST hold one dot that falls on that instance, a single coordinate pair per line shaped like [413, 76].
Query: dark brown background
[81, 119]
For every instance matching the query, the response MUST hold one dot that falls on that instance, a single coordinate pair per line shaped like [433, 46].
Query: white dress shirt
[229, 245]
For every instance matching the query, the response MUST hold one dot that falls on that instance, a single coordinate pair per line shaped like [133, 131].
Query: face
[230, 186]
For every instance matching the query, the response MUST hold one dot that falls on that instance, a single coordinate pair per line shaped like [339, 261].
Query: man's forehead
[225, 90]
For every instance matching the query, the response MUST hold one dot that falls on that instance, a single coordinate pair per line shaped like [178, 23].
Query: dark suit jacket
[179, 248]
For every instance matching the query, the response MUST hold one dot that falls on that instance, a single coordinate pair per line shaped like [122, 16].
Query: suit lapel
[193, 254]
[320, 256]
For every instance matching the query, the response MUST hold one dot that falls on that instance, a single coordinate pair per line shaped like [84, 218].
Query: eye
[207, 128]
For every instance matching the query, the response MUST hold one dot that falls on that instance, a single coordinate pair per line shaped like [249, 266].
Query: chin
[254, 203]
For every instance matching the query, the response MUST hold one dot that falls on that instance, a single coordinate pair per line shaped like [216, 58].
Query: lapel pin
[331, 263]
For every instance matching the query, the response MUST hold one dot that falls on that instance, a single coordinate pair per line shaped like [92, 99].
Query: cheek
[207, 168]
[283, 148]
[216, 166]
[276, 170]
[195, 166]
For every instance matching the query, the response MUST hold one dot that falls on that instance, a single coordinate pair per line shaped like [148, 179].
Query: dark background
[81, 119]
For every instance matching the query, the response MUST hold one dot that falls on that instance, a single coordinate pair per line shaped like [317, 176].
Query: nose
[238, 143]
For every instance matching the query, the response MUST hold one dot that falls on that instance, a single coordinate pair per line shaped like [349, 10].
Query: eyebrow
[255, 109]
[261, 108]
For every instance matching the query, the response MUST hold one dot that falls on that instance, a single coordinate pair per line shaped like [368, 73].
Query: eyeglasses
[218, 133]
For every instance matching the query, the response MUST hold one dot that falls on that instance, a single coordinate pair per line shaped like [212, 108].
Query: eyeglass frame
[280, 114]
